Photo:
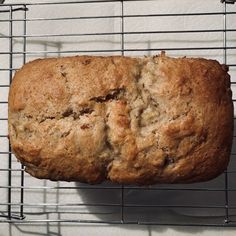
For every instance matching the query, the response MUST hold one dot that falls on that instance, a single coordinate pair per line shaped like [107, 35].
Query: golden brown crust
[131, 120]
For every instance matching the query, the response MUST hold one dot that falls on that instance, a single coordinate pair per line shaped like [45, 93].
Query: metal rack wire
[27, 200]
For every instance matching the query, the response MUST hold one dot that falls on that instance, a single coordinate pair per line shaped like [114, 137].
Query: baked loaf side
[131, 120]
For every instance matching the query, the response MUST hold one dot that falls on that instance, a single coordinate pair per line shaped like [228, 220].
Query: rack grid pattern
[28, 200]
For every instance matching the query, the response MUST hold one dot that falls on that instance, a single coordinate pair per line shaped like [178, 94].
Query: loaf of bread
[129, 120]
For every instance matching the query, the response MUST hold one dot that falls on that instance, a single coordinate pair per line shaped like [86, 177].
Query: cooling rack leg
[22, 166]
[10, 79]
[122, 28]
[22, 194]
[226, 220]
[57, 208]
[226, 199]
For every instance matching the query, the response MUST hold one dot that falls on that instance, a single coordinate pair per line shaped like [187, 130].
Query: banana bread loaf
[130, 120]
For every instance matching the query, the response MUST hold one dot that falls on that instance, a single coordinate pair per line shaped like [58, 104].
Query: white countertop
[117, 230]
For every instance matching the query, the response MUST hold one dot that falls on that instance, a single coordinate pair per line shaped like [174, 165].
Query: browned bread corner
[131, 120]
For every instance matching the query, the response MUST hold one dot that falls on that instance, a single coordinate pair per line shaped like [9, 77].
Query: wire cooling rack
[196, 28]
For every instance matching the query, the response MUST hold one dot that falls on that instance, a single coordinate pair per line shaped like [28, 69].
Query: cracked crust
[131, 120]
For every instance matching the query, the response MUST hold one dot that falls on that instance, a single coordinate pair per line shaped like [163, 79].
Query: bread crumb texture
[130, 120]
